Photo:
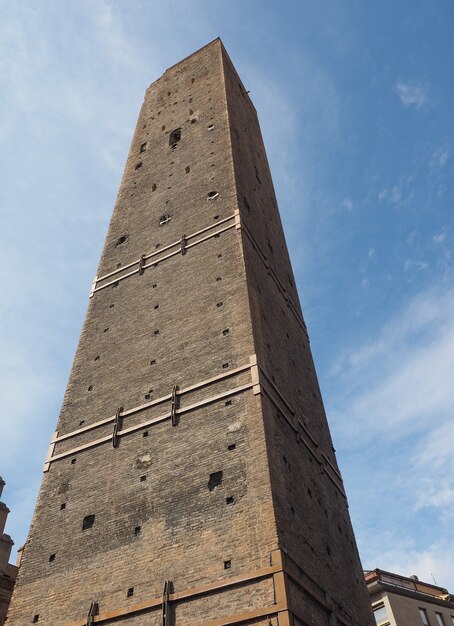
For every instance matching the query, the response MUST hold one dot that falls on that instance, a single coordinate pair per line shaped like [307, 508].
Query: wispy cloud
[439, 238]
[429, 564]
[411, 264]
[406, 373]
[399, 194]
[412, 93]
[396, 392]
[440, 157]
[435, 457]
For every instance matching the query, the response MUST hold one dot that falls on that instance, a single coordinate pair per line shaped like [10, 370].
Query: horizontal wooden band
[155, 258]
[270, 382]
[322, 459]
[161, 400]
[241, 618]
[150, 422]
[251, 366]
[313, 589]
[292, 306]
[306, 430]
[278, 571]
[191, 593]
[332, 466]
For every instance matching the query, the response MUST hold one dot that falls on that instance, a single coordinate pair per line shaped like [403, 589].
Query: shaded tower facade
[192, 479]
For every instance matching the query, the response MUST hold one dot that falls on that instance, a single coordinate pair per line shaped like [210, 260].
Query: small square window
[227, 564]
[143, 146]
[215, 480]
[174, 137]
[88, 522]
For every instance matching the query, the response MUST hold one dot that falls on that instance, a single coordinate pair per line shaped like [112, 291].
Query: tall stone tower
[192, 479]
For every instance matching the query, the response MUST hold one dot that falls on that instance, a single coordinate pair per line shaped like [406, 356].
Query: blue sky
[355, 103]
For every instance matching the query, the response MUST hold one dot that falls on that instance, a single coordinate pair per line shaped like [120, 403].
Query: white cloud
[434, 460]
[399, 194]
[415, 265]
[439, 238]
[405, 375]
[411, 93]
[399, 406]
[435, 560]
[394, 406]
[440, 157]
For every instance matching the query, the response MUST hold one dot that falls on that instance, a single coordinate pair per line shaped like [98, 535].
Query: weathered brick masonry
[192, 428]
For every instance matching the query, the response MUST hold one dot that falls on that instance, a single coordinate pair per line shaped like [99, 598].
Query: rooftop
[404, 584]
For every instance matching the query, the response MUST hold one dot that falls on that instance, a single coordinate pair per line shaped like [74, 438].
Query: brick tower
[192, 480]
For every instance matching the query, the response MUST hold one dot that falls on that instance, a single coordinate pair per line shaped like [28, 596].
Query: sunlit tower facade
[192, 479]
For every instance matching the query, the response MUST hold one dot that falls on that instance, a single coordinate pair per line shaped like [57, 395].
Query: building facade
[406, 601]
[8, 572]
[192, 478]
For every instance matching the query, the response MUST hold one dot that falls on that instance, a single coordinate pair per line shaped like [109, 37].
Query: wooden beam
[162, 399]
[131, 429]
[244, 617]
[255, 375]
[187, 594]
[285, 619]
[50, 452]
[156, 257]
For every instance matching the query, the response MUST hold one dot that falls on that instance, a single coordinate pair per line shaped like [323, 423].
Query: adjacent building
[8, 572]
[192, 478]
[406, 601]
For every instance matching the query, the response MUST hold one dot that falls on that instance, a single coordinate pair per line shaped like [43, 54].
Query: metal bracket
[142, 263]
[183, 244]
[117, 427]
[174, 406]
[92, 611]
[168, 588]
